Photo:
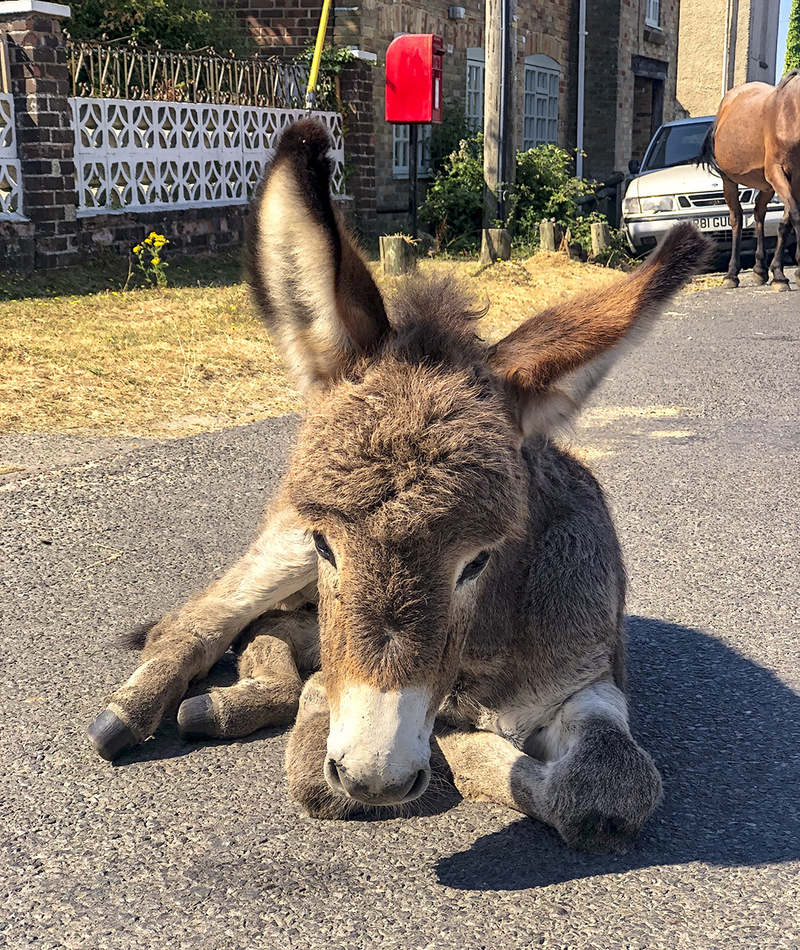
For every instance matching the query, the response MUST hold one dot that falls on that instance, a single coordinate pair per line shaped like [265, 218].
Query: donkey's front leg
[268, 691]
[187, 642]
[306, 752]
[597, 793]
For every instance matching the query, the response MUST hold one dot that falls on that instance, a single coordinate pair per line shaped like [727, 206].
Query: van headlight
[631, 206]
[651, 205]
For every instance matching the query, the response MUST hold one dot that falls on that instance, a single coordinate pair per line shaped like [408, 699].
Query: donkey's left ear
[552, 362]
[313, 289]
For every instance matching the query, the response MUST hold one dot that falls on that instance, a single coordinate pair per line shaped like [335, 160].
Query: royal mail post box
[414, 78]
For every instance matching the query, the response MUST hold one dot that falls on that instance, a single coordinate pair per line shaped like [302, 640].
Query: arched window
[540, 107]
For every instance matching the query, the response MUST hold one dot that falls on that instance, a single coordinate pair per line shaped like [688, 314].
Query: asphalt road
[696, 440]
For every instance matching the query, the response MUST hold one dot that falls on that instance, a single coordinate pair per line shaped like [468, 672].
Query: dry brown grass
[192, 359]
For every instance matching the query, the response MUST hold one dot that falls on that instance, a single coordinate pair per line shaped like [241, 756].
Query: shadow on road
[725, 734]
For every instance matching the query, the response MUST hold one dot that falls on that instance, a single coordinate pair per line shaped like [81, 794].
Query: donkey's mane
[434, 321]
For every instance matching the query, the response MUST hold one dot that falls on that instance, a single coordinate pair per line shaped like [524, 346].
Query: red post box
[414, 78]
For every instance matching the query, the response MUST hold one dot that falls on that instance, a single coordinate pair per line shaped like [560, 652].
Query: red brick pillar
[45, 142]
[355, 89]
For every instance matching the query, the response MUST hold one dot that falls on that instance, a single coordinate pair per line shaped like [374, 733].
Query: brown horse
[755, 142]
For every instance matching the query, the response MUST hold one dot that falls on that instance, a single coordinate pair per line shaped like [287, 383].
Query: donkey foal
[466, 570]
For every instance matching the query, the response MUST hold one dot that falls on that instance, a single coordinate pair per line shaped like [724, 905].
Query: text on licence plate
[721, 222]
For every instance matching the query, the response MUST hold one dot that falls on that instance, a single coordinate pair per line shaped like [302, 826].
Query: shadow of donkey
[725, 734]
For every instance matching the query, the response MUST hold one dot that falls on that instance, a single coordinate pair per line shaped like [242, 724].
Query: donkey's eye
[474, 568]
[323, 548]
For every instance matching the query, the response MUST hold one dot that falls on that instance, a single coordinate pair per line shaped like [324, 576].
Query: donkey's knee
[601, 786]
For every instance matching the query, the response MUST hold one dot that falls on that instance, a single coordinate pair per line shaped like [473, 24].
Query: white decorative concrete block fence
[10, 171]
[133, 155]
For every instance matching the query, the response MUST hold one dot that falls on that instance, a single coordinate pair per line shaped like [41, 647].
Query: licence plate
[722, 222]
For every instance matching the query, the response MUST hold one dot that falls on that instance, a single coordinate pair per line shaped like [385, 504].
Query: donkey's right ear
[313, 289]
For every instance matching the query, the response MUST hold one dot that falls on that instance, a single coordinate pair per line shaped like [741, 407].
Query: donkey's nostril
[333, 776]
[419, 785]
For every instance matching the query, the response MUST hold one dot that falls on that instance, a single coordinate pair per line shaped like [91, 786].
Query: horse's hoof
[759, 279]
[196, 718]
[779, 286]
[730, 283]
[110, 736]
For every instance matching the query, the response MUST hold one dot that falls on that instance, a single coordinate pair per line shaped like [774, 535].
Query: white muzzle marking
[380, 744]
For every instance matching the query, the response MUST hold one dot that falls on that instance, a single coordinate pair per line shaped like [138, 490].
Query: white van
[669, 188]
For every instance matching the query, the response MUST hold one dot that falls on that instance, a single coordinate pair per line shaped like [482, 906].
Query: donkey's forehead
[410, 442]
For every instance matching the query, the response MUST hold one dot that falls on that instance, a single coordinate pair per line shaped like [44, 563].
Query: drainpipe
[581, 86]
[731, 37]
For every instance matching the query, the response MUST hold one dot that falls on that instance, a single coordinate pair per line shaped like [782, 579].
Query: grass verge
[78, 356]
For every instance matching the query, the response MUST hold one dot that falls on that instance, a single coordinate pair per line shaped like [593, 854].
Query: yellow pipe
[311, 92]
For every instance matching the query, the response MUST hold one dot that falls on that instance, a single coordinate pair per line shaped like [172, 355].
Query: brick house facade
[631, 73]
[631, 69]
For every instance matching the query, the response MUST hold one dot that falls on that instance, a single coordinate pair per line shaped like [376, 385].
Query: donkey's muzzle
[374, 790]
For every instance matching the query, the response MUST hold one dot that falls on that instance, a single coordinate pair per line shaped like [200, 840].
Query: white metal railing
[137, 154]
[10, 172]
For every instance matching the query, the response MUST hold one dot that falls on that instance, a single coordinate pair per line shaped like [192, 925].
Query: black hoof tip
[110, 736]
[196, 718]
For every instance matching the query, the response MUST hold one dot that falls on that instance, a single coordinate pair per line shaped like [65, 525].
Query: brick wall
[618, 46]
[280, 28]
[56, 235]
[658, 45]
[39, 84]
[356, 92]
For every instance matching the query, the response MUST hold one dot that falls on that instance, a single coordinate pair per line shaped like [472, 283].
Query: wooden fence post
[550, 236]
[600, 238]
[397, 255]
[495, 246]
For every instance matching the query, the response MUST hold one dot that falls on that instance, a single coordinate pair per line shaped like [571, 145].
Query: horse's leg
[599, 788]
[791, 218]
[760, 272]
[269, 686]
[306, 752]
[731, 192]
[187, 642]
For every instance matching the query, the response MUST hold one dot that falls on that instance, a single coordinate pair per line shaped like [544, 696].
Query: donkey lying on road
[467, 570]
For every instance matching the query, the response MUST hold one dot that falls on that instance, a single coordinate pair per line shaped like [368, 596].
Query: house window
[540, 106]
[653, 12]
[475, 77]
[400, 151]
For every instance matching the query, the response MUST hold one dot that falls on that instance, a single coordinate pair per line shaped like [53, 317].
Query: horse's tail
[707, 156]
[788, 78]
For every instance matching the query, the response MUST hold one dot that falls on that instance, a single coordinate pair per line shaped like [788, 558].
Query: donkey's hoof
[196, 718]
[110, 736]
[779, 286]
[730, 283]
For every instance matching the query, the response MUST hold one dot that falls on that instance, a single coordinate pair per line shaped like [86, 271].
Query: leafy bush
[447, 135]
[545, 190]
[454, 203]
[793, 39]
[173, 24]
